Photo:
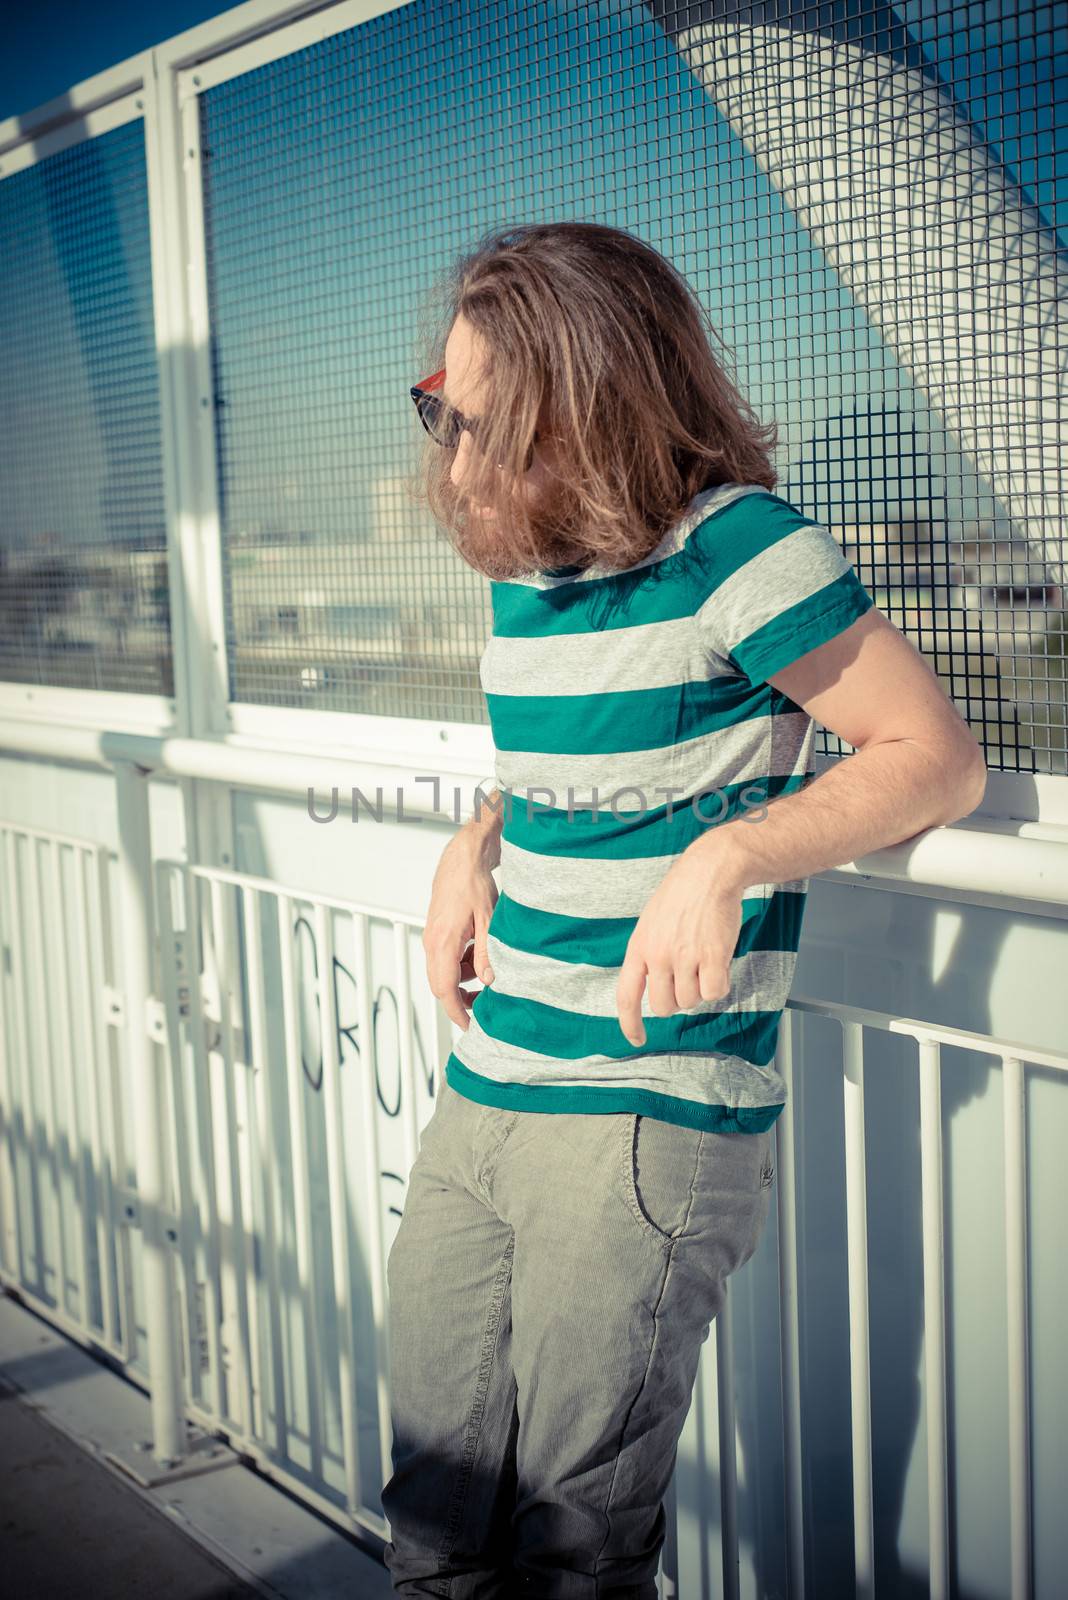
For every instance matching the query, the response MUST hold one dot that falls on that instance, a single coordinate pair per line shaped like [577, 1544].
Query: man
[667, 632]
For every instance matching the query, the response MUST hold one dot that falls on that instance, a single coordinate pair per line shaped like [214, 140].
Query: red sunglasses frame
[428, 388]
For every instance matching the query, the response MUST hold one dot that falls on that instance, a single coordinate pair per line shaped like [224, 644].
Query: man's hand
[683, 942]
[462, 899]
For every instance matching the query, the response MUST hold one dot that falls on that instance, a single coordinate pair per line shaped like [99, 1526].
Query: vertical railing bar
[859, 1352]
[404, 1033]
[1013, 1091]
[934, 1332]
[207, 1241]
[15, 1079]
[270, 1178]
[220, 1236]
[789, 1320]
[338, 1194]
[87, 1078]
[137, 921]
[246, 1163]
[233, 1257]
[372, 1169]
[94, 1033]
[22, 1008]
[178, 1121]
[173, 1022]
[113, 1043]
[46, 1074]
[704, 1402]
[68, 1051]
[727, 1421]
[370, 1076]
[301, 1184]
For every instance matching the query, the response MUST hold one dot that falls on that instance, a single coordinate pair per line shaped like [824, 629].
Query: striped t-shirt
[630, 712]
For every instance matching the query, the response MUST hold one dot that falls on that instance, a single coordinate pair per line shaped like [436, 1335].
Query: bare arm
[486, 825]
[917, 763]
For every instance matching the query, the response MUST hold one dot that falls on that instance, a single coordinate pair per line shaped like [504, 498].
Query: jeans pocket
[738, 1161]
[732, 1196]
[659, 1165]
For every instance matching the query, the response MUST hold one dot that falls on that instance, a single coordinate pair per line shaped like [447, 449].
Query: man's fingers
[629, 992]
[463, 1000]
[457, 1000]
[454, 1007]
[483, 969]
[471, 967]
[443, 978]
[447, 972]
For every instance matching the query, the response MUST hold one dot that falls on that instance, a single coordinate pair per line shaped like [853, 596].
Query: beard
[481, 544]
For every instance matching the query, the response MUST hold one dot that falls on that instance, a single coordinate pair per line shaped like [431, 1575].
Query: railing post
[137, 966]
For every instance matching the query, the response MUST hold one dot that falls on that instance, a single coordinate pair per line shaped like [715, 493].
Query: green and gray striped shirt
[630, 712]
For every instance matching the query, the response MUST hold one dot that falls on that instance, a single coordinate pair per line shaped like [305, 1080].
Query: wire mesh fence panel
[84, 599]
[867, 208]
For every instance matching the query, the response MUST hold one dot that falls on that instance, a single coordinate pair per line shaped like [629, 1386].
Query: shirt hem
[565, 1099]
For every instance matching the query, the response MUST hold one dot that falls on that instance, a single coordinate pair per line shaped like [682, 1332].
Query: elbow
[969, 785]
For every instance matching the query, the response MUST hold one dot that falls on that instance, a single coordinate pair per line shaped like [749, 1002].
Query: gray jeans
[551, 1283]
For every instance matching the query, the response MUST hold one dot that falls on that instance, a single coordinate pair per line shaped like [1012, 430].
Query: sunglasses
[443, 422]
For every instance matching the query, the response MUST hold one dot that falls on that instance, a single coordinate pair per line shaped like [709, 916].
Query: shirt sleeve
[774, 584]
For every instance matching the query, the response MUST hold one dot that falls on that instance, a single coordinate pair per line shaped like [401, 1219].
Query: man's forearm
[879, 796]
[484, 827]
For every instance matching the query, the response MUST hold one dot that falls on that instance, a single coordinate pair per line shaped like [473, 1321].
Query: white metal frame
[93, 107]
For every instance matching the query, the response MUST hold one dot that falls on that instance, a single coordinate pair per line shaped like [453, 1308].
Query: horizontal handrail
[964, 855]
[939, 1033]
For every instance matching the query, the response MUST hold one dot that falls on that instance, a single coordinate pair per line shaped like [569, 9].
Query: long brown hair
[593, 338]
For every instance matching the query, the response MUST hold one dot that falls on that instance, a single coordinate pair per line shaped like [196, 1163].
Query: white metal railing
[67, 1169]
[930, 1039]
[232, 933]
[229, 1139]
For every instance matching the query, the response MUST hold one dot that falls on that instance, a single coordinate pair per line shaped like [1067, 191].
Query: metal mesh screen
[866, 199]
[83, 570]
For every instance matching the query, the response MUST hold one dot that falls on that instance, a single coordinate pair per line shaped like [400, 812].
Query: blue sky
[49, 45]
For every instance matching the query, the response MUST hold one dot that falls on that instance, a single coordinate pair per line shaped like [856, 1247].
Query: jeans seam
[485, 1176]
[668, 1263]
[474, 1424]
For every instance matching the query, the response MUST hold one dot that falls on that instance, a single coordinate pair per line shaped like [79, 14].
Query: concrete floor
[73, 1526]
[69, 1526]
